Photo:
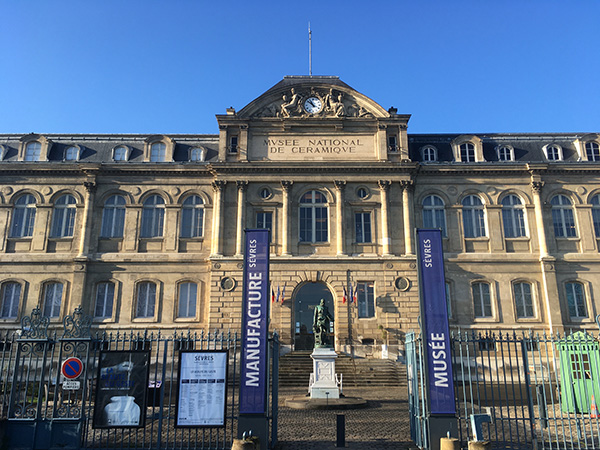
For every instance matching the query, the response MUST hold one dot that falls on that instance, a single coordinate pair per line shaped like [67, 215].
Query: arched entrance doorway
[307, 297]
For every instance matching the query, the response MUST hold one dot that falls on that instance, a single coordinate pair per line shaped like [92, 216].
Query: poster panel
[255, 322]
[434, 311]
[121, 388]
[202, 388]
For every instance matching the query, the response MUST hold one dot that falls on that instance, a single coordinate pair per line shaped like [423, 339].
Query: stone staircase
[295, 369]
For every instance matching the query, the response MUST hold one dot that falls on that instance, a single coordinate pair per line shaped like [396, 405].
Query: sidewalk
[382, 425]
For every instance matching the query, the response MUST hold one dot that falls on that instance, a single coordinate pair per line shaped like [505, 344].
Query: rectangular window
[306, 224]
[482, 303]
[392, 143]
[320, 224]
[11, 294]
[105, 295]
[188, 293]
[362, 223]
[52, 299]
[233, 144]
[146, 300]
[523, 300]
[366, 299]
[576, 301]
[264, 221]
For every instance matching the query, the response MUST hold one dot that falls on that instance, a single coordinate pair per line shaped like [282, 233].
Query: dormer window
[429, 154]
[592, 151]
[3, 152]
[233, 144]
[158, 152]
[197, 154]
[505, 153]
[553, 152]
[33, 151]
[72, 154]
[392, 144]
[467, 152]
[121, 153]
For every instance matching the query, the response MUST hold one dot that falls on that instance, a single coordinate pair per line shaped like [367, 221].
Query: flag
[283, 294]
[344, 296]
[355, 293]
[277, 293]
[272, 295]
[350, 296]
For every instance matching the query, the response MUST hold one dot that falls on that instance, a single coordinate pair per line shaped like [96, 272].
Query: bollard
[480, 445]
[449, 443]
[341, 431]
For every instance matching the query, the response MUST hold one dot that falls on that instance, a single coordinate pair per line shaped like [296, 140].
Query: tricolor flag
[272, 295]
[350, 296]
[283, 294]
[277, 293]
[344, 296]
[355, 293]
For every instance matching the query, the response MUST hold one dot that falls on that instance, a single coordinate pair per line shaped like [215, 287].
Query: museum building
[147, 231]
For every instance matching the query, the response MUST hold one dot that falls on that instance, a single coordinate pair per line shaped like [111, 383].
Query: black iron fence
[537, 391]
[40, 408]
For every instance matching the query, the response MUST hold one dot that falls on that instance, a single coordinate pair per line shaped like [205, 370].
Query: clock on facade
[313, 105]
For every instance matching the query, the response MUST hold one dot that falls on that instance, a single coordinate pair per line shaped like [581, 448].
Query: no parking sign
[72, 368]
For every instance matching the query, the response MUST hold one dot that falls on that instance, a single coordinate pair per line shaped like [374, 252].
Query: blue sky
[169, 66]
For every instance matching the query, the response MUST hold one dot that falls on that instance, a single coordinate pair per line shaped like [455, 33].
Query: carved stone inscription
[303, 148]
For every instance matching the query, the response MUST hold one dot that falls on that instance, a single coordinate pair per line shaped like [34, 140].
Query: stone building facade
[146, 231]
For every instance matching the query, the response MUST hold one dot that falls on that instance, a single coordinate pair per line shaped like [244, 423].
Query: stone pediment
[312, 97]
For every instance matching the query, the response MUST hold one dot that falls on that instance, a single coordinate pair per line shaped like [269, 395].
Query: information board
[202, 388]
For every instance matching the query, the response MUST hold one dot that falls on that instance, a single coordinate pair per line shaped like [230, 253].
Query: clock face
[313, 105]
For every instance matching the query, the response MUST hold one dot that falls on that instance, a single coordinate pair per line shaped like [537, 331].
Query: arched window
[72, 154]
[64, 216]
[120, 153]
[53, 294]
[513, 217]
[11, 297]
[434, 214]
[553, 153]
[192, 217]
[113, 217]
[158, 152]
[33, 151]
[482, 302]
[429, 154]
[592, 151]
[197, 154]
[523, 300]
[562, 216]
[188, 295]
[153, 217]
[313, 217]
[467, 152]
[105, 297]
[473, 217]
[505, 153]
[596, 214]
[576, 300]
[146, 300]
[23, 217]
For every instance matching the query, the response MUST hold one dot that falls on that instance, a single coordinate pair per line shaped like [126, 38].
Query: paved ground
[382, 425]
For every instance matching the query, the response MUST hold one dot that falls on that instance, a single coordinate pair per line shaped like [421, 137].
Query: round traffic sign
[72, 368]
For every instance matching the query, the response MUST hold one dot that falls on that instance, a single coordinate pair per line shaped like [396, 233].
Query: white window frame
[197, 154]
[595, 201]
[429, 154]
[524, 300]
[392, 144]
[482, 299]
[505, 153]
[234, 144]
[146, 299]
[513, 217]
[33, 151]
[313, 208]
[466, 150]
[431, 213]
[105, 300]
[475, 213]
[23, 219]
[153, 217]
[563, 216]
[192, 217]
[185, 311]
[570, 294]
[121, 153]
[365, 299]
[53, 294]
[592, 151]
[553, 152]
[72, 153]
[363, 229]
[11, 299]
[63, 217]
[158, 152]
[113, 217]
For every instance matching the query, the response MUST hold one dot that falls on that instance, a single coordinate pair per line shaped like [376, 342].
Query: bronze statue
[321, 324]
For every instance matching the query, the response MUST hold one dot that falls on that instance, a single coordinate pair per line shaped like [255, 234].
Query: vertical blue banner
[434, 314]
[255, 323]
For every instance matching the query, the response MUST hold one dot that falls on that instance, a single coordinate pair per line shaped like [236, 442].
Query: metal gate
[38, 412]
[539, 391]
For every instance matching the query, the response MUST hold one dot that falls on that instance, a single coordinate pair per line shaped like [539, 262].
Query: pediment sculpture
[313, 102]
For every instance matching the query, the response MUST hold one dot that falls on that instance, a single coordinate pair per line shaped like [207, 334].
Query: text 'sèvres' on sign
[434, 315]
[253, 386]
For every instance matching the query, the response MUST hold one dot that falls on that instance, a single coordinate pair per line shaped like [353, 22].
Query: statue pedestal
[323, 380]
